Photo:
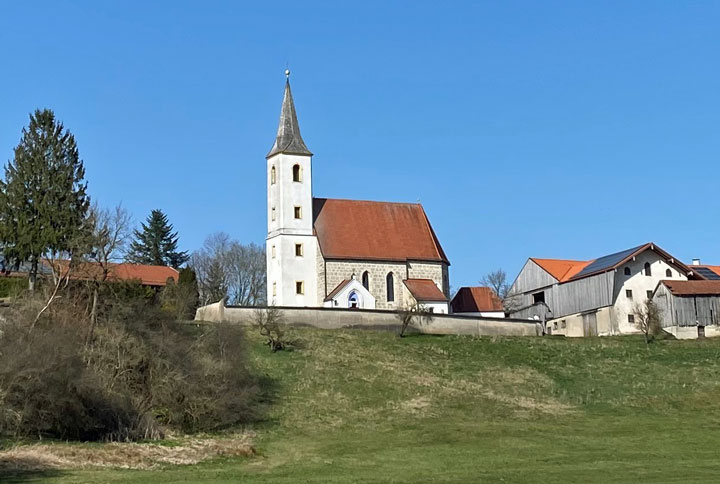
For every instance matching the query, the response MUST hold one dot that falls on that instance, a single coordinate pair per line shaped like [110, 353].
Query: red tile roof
[352, 229]
[147, 275]
[560, 269]
[424, 290]
[475, 300]
[693, 288]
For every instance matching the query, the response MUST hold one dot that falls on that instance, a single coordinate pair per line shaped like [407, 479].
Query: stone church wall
[320, 267]
[435, 271]
[338, 271]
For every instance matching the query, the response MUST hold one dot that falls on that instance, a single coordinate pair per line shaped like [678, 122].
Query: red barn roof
[424, 290]
[475, 300]
[693, 288]
[352, 229]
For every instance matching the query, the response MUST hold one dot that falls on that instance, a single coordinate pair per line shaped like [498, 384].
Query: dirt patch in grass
[122, 455]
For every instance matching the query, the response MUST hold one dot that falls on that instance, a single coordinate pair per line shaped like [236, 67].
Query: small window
[648, 271]
[563, 324]
[299, 287]
[272, 175]
[390, 281]
[628, 293]
[274, 288]
[631, 318]
[649, 294]
[353, 300]
[366, 280]
[272, 212]
[627, 271]
[539, 297]
[298, 250]
[298, 212]
[297, 173]
[272, 251]
[668, 273]
[431, 309]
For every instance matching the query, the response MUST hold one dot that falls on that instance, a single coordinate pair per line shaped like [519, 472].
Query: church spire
[288, 138]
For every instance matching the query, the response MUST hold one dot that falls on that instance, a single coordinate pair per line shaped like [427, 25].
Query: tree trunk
[32, 276]
[93, 314]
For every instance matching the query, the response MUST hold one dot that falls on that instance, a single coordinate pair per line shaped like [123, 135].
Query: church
[324, 252]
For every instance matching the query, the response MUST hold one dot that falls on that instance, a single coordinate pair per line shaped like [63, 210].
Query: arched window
[627, 271]
[668, 273]
[353, 300]
[366, 280]
[297, 174]
[648, 272]
[390, 281]
[272, 176]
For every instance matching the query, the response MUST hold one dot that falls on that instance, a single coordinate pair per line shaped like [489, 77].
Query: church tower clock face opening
[317, 248]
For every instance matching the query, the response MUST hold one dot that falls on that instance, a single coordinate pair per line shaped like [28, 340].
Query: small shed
[478, 300]
[688, 304]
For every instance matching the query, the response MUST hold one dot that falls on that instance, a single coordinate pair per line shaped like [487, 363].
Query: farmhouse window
[631, 318]
[627, 271]
[628, 293]
[668, 273]
[648, 271]
[649, 294]
[539, 297]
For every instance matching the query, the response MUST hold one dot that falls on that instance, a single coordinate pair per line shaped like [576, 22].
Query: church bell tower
[291, 246]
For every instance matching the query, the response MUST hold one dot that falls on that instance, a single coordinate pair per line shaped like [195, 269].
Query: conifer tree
[156, 243]
[43, 199]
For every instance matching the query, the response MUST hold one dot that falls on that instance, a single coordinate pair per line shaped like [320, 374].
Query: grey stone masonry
[435, 271]
[338, 271]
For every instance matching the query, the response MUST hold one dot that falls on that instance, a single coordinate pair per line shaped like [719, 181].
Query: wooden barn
[689, 309]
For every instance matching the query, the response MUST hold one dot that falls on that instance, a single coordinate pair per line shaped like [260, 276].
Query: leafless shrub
[269, 322]
[415, 314]
[647, 319]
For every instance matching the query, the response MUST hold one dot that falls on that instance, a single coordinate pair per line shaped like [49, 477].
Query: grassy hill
[354, 406]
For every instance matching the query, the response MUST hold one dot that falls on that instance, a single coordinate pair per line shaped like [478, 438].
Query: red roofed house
[477, 301]
[594, 297]
[343, 253]
[689, 309]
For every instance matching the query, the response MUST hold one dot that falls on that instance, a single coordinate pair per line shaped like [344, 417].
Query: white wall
[284, 267]
[341, 299]
[639, 283]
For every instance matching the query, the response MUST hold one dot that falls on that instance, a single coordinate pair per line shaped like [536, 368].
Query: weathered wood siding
[583, 295]
[686, 310]
[531, 277]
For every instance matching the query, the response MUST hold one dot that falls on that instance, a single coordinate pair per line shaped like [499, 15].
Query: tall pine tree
[156, 244]
[43, 199]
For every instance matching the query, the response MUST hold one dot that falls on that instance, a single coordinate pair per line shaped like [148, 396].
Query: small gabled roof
[385, 231]
[693, 288]
[476, 299]
[424, 290]
[337, 289]
[569, 270]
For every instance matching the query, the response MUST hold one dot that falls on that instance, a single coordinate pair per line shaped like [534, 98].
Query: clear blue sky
[546, 129]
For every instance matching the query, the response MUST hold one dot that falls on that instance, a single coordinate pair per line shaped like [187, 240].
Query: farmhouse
[477, 301]
[593, 297]
[343, 253]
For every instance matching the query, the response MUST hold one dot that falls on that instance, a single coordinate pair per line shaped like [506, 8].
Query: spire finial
[287, 74]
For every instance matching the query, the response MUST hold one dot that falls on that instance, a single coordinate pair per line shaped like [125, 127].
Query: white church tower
[291, 246]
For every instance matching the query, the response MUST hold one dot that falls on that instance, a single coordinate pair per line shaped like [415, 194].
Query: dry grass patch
[123, 455]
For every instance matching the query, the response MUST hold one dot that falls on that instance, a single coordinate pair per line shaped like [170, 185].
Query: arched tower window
[366, 280]
[390, 281]
[668, 273]
[648, 272]
[272, 175]
[297, 173]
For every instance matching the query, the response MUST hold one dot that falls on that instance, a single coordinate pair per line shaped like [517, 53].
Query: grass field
[370, 407]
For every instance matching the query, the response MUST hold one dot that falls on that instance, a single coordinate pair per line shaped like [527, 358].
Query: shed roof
[693, 288]
[364, 230]
[424, 290]
[476, 299]
[147, 275]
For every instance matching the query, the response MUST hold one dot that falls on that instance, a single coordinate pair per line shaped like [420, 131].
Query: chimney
[696, 262]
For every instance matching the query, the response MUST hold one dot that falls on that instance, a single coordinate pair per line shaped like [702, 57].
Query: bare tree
[415, 314]
[110, 232]
[269, 321]
[228, 269]
[497, 281]
[647, 319]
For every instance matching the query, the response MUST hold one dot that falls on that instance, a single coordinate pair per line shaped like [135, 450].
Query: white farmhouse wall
[639, 284]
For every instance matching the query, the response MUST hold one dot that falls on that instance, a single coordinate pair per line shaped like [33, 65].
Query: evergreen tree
[43, 199]
[156, 244]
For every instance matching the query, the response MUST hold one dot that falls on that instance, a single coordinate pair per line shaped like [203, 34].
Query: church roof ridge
[367, 201]
[288, 139]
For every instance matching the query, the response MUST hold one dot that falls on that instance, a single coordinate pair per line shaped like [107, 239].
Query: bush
[11, 286]
[136, 377]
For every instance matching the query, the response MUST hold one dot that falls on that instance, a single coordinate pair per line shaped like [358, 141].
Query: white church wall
[286, 269]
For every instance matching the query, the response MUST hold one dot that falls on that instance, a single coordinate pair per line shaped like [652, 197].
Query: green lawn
[360, 406]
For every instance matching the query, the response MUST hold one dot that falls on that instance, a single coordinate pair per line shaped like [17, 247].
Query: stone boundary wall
[334, 318]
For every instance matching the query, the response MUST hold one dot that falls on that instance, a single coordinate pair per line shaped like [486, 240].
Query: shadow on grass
[25, 469]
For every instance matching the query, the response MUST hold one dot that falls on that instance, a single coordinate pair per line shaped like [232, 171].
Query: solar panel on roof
[706, 273]
[606, 262]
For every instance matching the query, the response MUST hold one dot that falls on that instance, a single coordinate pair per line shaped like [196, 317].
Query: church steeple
[288, 139]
